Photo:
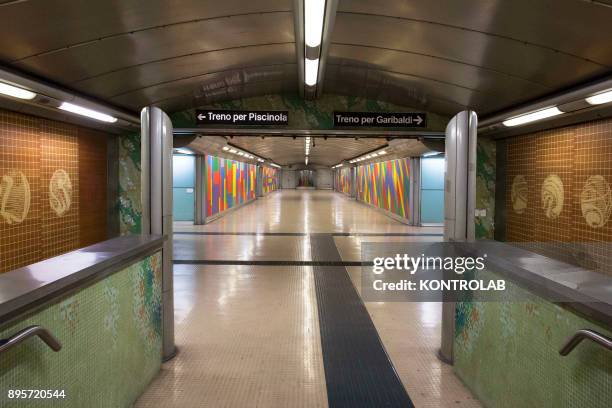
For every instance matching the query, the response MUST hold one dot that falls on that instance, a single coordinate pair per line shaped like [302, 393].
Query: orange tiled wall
[40, 189]
[559, 190]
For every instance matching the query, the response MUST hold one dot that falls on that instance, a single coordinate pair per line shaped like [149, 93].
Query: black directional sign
[380, 119]
[235, 117]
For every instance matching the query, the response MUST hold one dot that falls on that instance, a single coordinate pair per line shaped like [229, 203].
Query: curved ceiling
[442, 56]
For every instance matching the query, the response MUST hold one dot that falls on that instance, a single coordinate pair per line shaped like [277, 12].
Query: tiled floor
[249, 335]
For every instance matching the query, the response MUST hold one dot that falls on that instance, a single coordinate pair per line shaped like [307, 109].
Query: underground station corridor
[306, 203]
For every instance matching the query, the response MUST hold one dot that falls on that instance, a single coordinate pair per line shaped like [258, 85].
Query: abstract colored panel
[343, 180]
[386, 185]
[306, 178]
[229, 183]
[271, 179]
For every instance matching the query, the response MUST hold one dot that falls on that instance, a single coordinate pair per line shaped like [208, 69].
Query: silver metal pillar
[156, 164]
[200, 190]
[459, 203]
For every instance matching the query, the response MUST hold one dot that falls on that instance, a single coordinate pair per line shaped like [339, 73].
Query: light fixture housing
[314, 15]
[600, 98]
[311, 71]
[16, 92]
[90, 113]
[532, 116]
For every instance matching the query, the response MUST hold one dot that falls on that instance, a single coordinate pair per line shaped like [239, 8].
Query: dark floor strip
[267, 263]
[358, 371]
[386, 234]
[301, 234]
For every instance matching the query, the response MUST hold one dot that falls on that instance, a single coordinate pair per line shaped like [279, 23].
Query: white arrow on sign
[418, 120]
[201, 117]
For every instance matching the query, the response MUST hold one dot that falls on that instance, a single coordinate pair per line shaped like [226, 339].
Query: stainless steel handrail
[44, 334]
[582, 334]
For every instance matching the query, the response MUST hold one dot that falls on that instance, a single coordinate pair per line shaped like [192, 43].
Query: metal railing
[582, 334]
[21, 336]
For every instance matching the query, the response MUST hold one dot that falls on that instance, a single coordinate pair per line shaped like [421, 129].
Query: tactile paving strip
[358, 371]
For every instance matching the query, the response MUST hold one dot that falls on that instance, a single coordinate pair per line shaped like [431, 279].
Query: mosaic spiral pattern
[60, 192]
[596, 201]
[519, 194]
[552, 196]
[15, 197]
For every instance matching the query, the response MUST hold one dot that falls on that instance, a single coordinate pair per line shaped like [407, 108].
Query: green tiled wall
[507, 353]
[130, 207]
[111, 337]
[485, 187]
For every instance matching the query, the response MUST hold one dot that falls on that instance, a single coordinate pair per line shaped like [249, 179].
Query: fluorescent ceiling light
[233, 151]
[184, 151]
[16, 92]
[603, 97]
[382, 152]
[311, 71]
[90, 113]
[314, 13]
[532, 116]
[431, 154]
[226, 148]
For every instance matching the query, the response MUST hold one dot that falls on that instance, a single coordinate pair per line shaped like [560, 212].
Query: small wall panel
[93, 175]
[343, 180]
[271, 179]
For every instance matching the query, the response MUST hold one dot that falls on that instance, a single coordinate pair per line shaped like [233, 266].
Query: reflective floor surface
[249, 335]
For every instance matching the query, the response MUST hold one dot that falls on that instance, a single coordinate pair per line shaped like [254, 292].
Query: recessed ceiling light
[314, 14]
[16, 92]
[532, 116]
[90, 113]
[598, 99]
[311, 71]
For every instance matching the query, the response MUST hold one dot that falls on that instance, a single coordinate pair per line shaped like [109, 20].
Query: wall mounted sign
[380, 119]
[242, 118]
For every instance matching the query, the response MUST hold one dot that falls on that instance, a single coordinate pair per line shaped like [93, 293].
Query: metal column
[156, 149]
[459, 203]
[200, 190]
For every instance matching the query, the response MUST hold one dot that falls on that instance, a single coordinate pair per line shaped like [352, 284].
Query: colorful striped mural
[343, 180]
[229, 182]
[271, 179]
[306, 178]
[386, 185]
